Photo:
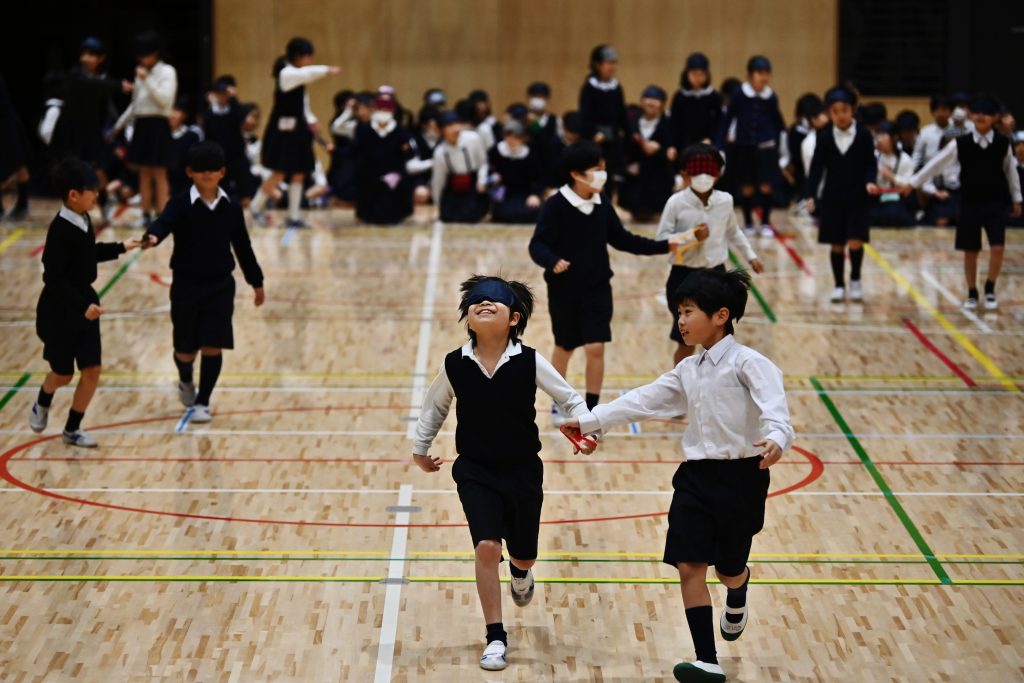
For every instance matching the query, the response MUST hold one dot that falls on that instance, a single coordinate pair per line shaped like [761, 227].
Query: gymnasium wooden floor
[258, 548]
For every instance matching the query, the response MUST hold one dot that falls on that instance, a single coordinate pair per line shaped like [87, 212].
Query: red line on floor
[797, 259]
[957, 370]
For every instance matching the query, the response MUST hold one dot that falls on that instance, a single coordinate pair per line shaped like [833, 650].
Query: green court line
[922, 545]
[120, 272]
[14, 389]
[755, 291]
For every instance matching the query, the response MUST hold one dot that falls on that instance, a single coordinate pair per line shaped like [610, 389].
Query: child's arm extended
[436, 405]
[664, 397]
[164, 224]
[624, 240]
[560, 391]
[738, 241]
[763, 380]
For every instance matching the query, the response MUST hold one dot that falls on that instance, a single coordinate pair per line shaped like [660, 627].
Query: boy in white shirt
[709, 214]
[739, 427]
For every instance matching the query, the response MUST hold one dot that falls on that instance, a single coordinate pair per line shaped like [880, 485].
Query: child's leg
[682, 351]
[146, 188]
[295, 197]
[595, 372]
[560, 359]
[699, 615]
[209, 372]
[856, 258]
[259, 200]
[162, 188]
[971, 270]
[21, 204]
[747, 204]
[838, 259]
[87, 383]
[51, 383]
[995, 265]
[766, 203]
[737, 591]
[488, 587]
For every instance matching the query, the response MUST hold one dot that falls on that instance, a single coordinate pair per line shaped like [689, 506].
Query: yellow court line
[968, 345]
[11, 239]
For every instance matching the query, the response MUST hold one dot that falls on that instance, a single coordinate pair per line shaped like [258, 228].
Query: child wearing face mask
[650, 157]
[518, 174]
[575, 228]
[381, 150]
[708, 215]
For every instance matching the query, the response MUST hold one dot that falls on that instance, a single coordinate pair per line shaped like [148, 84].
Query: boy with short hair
[575, 228]
[989, 185]
[739, 427]
[498, 472]
[68, 312]
[206, 225]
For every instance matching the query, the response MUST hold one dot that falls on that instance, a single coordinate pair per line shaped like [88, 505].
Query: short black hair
[712, 290]
[74, 174]
[939, 101]
[572, 122]
[809, 105]
[523, 304]
[205, 156]
[579, 157]
[298, 47]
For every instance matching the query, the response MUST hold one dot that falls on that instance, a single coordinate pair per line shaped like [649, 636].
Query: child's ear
[188, 171]
[722, 316]
[513, 319]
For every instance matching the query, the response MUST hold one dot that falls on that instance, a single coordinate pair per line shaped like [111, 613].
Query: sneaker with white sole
[79, 438]
[991, 303]
[730, 630]
[187, 393]
[493, 658]
[201, 414]
[698, 672]
[838, 295]
[856, 291]
[971, 303]
[522, 589]
[558, 418]
[38, 418]
[767, 231]
[749, 230]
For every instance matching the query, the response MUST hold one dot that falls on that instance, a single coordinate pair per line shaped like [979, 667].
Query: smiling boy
[499, 473]
[739, 427]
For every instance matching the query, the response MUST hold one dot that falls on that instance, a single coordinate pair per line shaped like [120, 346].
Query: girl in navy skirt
[288, 140]
[149, 147]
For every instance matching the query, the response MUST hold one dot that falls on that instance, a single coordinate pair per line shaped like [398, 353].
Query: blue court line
[289, 234]
[183, 422]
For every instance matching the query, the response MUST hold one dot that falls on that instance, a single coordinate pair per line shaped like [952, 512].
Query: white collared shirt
[733, 395]
[153, 95]
[950, 155]
[520, 152]
[194, 196]
[684, 211]
[748, 90]
[648, 126]
[76, 219]
[595, 82]
[438, 400]
[292, 77]
[452, 159]
[585, 206]
[844, 138]
[386, 130]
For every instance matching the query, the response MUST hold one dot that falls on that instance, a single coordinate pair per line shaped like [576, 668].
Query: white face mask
[959, 113]
[597, 180]
[538, 104]
[702, 183]
[382, 118]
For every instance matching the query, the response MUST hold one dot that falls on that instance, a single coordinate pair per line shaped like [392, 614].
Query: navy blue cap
[539, 88]
[223, 83]
[758, 63]
[838, 94]
[94, 45]
[698, 60]
[495, 291]
[984, 104]
[885, 126]
[907, 120]
[146, 43]
[518, 110]
[653, 92]
[447, 119]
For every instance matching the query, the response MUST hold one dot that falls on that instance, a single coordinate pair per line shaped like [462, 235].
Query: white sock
[259, 202]
[294, 201]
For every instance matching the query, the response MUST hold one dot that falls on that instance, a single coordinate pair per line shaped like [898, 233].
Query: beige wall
[502, 46]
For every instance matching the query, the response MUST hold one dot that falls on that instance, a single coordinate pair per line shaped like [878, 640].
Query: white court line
[555, 492]
[419, 382]
[393, 596]
[951, 298]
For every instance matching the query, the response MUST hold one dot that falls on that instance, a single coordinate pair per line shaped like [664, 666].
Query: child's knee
[765, 188]
[747, 190]
[489, 551]
[692, 571]
[92, 372]
[62, 380]
[210, 351]
[522, 564]
[594, 351]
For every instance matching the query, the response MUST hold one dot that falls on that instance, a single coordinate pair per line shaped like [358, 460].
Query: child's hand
[334, 70]
[127, 87]
[599, 138]
[561, 266]
[93, 312]
[572, 423]
[941, 195]
[131, 244]
[259, 296]
[1015, 212]
[141, 72]
[757, 266]
[670, 154]
[701, 232]
[872, 189]
[427, 463]
[151, 241]
[532, 202]
[770, 453]
[810, 205]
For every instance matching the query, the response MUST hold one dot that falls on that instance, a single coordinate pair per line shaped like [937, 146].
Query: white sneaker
[201, 414]
[698, 672]
[558, 418]
[494, 656]
[749, 230]
[187, 393]
[80, 438]
[522, 589]
[38, 418]
[730, 630]
[838, 295]
[767, 231]
[856, 291]
[970, 303]
[991, 303]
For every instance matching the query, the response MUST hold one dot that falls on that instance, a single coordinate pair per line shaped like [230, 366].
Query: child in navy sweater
[603, 109]
[755, 109]
[650, 158]
[696, 107]
[575, 228]
[206, 225]
[68, 313]
[844, 155]
[498, 472]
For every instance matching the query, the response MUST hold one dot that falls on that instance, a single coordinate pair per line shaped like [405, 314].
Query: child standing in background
[650, 157]
[696, 110]
[603, 110]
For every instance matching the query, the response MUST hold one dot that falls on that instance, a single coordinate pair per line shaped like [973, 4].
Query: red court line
[816, 470]
[797, 259]
[957, 370]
